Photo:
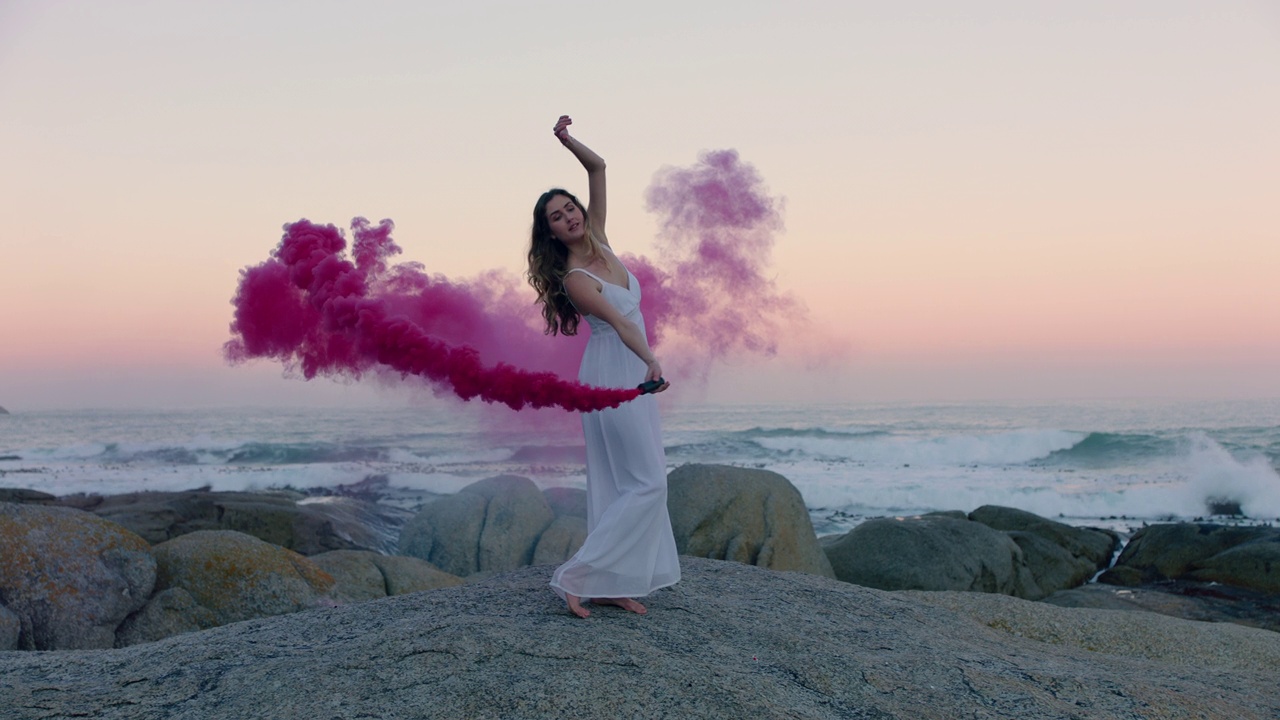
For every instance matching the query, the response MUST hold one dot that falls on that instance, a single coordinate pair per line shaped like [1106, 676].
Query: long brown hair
[549, 262]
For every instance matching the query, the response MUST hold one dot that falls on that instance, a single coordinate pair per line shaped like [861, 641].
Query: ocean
[1114, 464]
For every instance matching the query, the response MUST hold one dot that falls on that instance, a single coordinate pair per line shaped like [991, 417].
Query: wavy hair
[549, 263]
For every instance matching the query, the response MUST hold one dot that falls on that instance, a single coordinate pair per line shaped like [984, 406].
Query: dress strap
[584, 272]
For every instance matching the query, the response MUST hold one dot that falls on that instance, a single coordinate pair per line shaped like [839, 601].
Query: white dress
[630, 550]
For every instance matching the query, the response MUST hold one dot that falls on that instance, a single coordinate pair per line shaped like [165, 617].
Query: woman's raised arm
[597, 205]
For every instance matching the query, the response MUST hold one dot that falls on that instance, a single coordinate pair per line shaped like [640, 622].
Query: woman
[629, 551]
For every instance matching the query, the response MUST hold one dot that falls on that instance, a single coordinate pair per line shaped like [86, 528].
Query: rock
[567, 501]
[567, 532]
[489, 526]
[345, 523]
[446, 533]
[1051, 567]
[1172, 551]
[10, 629]
[1058, 556]
[168, 612]
[1254, 565]
[356, 577]
[931, 553]
[1092, 545]
[749, 516]
[26, 497]
[363, 575]
[305, 525]
[239, 577]
[560, 540]
[22, 496]
[1131, 634]
[1181, 599]
[1223, 506]
[409, 575]
[730, 641]
[69, 577]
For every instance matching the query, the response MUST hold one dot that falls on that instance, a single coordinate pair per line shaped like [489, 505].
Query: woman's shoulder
[578, 270]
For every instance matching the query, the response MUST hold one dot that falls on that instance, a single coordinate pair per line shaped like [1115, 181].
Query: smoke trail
[311, 307]
[316, 311]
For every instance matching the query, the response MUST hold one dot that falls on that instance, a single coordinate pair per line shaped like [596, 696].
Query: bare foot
[625, 603]
[575, 606]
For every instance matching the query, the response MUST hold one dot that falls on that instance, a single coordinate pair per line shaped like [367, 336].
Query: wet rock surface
[1207, 602]
[308, 525]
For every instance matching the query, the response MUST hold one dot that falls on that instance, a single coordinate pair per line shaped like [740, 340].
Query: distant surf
[1114, 464]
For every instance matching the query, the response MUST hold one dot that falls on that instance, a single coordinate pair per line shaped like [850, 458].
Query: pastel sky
[984, 200]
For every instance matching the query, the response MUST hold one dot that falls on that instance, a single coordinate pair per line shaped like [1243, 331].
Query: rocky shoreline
[162, 569]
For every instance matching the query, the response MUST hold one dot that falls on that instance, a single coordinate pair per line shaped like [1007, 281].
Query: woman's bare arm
[585, 292]
[597, 205]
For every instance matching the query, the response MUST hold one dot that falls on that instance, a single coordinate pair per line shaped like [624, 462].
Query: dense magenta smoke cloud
[309, 306]
[316, 311]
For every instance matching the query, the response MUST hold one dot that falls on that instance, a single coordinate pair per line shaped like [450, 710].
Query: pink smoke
[717, 232]
[314, 310]
[309, 306]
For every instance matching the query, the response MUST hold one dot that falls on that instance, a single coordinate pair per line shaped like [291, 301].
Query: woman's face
[565, 218]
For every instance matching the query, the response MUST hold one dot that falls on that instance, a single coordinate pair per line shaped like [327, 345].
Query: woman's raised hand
[561, 129]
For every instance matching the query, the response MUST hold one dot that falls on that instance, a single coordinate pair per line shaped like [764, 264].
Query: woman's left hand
[655, 373]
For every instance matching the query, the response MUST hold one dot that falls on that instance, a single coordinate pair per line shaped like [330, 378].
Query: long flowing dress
[630, 550]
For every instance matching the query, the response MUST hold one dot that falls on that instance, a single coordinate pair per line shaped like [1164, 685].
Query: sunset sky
[983, 200]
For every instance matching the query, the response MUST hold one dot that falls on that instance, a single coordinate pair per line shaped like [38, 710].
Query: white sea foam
[1215, 474]
[447, 457]
[1017, 446]
[441, 483]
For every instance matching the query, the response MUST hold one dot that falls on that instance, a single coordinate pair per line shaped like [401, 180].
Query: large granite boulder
[489, 526]
[749, 516]
[1254, 565]
[362, 575]
[560, 540]
[567, 532]
[308, 525]
[69, 577]
[1198, 551]
[172, 611]
[729, 641]
[355, 577]
[563, 501]
[931, 552]
[238, 577]
[1059, 556]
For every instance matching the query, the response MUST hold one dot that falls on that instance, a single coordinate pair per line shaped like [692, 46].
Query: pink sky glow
[990, 200]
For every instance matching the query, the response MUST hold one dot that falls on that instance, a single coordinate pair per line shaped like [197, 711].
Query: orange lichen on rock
[69, 576]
